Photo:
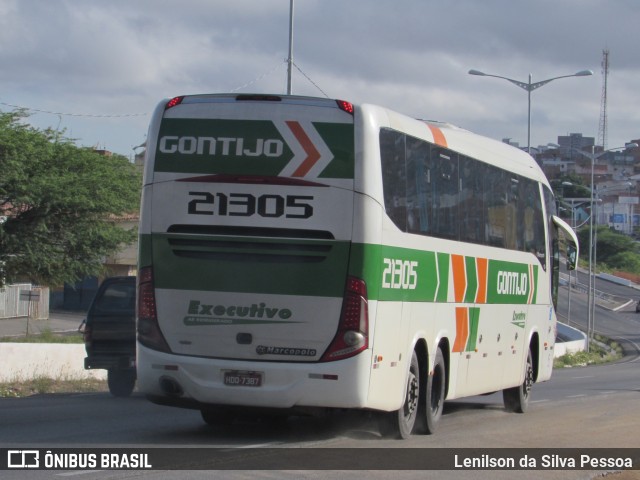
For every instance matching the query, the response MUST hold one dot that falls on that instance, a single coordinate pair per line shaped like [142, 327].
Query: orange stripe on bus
[313, 155]
[438, 136]
[481, 268]
[459, 277]
[462, 329]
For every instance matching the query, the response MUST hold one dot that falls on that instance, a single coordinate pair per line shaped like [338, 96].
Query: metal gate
[12, 306]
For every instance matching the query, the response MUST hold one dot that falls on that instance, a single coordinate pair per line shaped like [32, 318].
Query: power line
[286, 61]
[66, 114]
[312, 82]
[257, 79]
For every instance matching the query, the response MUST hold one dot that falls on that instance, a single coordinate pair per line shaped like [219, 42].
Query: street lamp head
[477, 72]
[583, 73]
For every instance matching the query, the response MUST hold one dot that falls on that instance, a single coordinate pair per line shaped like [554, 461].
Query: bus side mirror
[571, 256]
[572, 242]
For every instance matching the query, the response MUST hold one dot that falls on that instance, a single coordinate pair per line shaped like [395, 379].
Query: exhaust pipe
[170, 387]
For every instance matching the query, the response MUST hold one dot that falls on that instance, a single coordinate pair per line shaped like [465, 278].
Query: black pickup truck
[110, 333]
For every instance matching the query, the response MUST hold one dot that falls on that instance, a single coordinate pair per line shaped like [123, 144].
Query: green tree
[614, 249]
[570, 186]
[59, 204]
[625, 262]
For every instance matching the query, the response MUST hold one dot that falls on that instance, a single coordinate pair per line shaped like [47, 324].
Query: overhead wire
[124, 115]
[67, 114]
[264, 75]
[308, 78]
[257, 79]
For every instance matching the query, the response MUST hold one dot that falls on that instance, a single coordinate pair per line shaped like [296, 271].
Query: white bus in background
[300, 253]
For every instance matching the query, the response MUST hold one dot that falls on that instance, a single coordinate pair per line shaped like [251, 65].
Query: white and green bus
[299, 253]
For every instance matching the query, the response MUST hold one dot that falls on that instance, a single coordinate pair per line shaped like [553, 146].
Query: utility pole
[602, 127]
[290, 59]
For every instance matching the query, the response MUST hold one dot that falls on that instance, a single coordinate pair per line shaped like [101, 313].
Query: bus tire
[516, 399]
[121, 382]
[435, 393]
[400, 423]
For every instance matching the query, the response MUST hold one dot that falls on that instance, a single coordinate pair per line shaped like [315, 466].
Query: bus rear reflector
[352, 336]
[149, 333]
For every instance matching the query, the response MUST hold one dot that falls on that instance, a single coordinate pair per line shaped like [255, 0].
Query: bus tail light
[352, 336]
[149, 333]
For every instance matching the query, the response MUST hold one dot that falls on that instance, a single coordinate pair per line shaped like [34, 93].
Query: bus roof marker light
[345, 106]
[175, 101]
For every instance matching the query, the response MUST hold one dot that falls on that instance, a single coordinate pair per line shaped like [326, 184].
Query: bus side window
[472, 208]
[446, 193]
[394, 176]
[495, 203]
[419, 187]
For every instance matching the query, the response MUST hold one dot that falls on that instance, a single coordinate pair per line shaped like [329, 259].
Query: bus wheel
[435, 393]
[400, 423]
[121, 382]
[516, 399]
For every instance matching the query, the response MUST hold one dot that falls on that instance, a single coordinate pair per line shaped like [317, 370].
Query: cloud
[413, 55]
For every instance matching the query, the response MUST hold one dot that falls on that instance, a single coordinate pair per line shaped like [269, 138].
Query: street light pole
[592, 281]
[530, 87]
[593, 237]
[573, 226]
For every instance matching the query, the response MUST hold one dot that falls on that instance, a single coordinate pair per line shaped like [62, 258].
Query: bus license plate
[243, 379]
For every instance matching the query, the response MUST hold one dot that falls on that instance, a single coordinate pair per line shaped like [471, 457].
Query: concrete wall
[575, 340]
[25, 361]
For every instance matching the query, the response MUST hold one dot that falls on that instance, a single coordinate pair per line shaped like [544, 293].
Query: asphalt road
[99, 419]
[590, 407]
[57, 322]
[578, 408]
[617, 320]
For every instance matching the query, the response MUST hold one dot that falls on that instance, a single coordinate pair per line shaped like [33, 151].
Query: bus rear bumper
[194, 382]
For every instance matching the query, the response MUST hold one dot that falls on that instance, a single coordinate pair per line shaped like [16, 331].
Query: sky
[97, 69]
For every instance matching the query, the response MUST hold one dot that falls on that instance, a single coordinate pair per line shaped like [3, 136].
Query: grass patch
[601, 350]
[42, 385]
[46, 336]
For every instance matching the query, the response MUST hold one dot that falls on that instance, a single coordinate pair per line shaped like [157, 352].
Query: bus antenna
[290, 59]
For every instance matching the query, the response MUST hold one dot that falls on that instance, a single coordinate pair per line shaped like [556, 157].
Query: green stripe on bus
[339, 139]
[237, 264]
[509, 282]
[472, 280]
[246, 147]
[443, 277]
[474, 321]
[145, 258]
[210, 146]
[401, 274]
[319, 268]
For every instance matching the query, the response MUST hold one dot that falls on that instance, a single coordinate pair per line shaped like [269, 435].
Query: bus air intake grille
[252, 250]
[279, 233]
